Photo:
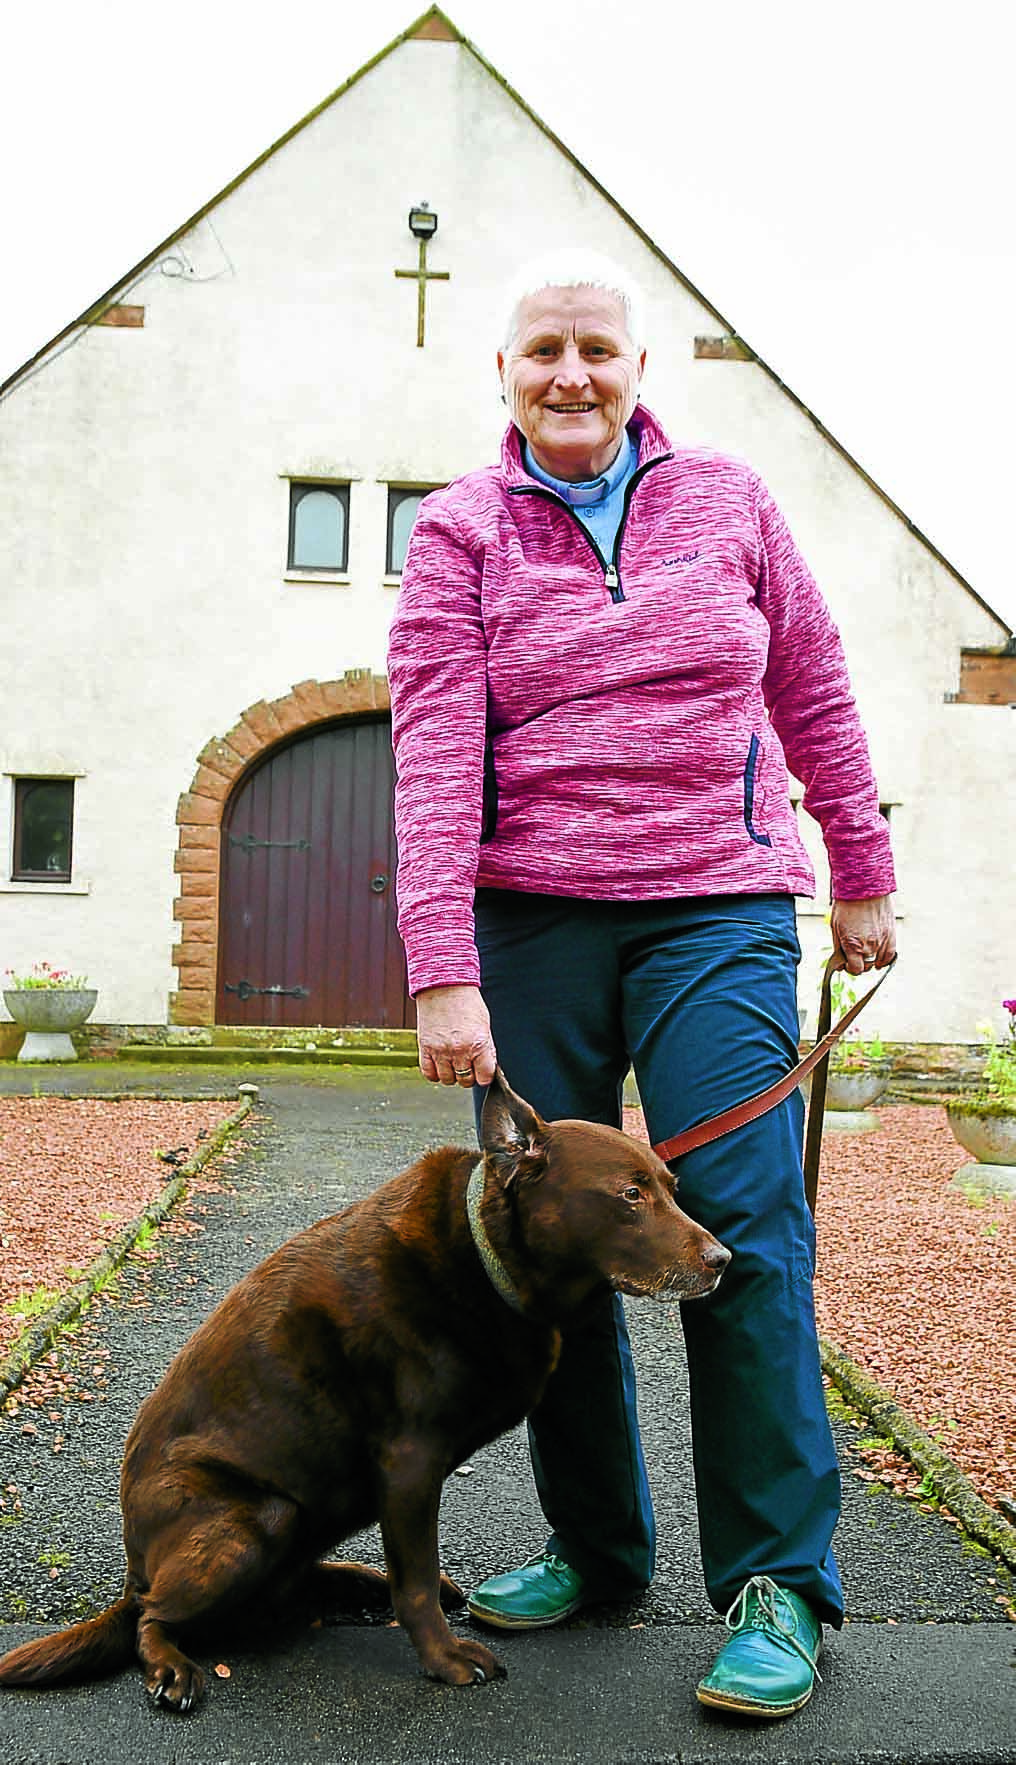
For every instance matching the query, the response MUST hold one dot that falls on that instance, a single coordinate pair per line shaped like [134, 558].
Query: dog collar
[496, 1272]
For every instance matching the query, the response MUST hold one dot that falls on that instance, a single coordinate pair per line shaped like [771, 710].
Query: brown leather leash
[752, 1107]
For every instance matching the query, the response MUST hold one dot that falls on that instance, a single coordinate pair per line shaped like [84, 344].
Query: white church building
[206, 484]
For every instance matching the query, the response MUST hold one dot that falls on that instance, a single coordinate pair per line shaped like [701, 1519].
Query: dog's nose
[716, 1256]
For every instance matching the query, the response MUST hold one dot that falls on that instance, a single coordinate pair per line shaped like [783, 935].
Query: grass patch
[32, 1305]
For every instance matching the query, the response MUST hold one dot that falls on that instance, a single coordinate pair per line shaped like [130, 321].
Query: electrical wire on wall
[174, 264]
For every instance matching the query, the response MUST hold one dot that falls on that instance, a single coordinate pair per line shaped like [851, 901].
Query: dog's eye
[633, 1193]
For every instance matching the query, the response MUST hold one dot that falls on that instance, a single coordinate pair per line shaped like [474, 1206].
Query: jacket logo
[679, 558]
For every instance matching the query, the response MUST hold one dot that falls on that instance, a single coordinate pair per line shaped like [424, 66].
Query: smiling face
[570, 377]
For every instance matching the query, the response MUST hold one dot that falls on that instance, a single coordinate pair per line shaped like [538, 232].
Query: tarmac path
[924, 1673]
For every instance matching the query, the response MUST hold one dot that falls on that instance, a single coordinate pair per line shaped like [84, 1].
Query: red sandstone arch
[221, 764]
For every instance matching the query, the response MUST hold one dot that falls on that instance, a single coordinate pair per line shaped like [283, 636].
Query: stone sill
[256, 1054]
[321, 578]
[45, 888]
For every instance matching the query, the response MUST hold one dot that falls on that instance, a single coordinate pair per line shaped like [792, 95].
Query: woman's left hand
[864, 933]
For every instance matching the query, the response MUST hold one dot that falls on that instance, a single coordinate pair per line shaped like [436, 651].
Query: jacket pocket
[761, 839]
[488, 817]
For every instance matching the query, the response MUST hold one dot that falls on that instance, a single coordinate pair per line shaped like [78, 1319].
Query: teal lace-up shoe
[544, 1591]
[767, 1667]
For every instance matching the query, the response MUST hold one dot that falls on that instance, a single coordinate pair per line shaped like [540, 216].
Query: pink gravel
[73, 1173]
[917, 1284]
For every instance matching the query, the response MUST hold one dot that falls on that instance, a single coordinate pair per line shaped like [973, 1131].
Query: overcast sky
[838, 179]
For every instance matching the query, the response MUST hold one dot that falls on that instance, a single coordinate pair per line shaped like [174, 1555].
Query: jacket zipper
[610, 567]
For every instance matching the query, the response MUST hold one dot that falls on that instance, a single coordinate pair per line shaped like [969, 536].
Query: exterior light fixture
[422, 222]
[423, 226]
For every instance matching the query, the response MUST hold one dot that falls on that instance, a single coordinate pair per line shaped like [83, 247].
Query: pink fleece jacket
[616, 729]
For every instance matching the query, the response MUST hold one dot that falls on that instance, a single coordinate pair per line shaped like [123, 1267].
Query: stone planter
[49, 1014]
[986, 1131]
[857, 1087]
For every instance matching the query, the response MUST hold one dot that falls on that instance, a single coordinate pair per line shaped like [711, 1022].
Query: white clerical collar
[590, 490]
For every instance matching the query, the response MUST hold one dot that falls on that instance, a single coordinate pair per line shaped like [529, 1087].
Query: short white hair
[575, 268]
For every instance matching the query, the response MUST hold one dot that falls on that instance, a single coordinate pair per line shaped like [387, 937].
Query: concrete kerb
[41, 1334]
[951, 1487]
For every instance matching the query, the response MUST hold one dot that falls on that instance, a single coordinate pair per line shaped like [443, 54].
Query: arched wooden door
[307, 932]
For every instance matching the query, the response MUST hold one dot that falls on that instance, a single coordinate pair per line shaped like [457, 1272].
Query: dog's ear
[511, 1130]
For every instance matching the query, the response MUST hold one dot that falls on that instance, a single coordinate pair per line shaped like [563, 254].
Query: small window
[318, 526]
[402, 510]
[43, 820]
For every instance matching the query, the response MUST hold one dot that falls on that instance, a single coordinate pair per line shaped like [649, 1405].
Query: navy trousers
[699, 996]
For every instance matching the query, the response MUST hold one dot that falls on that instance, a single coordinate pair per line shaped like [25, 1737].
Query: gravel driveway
[314, 1144]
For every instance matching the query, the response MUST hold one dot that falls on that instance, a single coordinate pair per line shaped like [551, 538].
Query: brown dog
[342, 1380]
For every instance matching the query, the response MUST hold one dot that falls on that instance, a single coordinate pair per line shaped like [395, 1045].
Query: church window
[402, 511]
[43, 824]
[318, 526]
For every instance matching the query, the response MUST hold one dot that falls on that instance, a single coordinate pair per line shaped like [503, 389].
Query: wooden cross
[421, 276]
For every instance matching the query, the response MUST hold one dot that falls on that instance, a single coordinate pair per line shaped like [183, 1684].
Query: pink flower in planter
[44, 975]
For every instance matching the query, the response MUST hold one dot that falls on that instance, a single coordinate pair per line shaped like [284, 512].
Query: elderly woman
[607, 649]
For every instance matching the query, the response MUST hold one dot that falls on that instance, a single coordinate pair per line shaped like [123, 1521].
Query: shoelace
[554, 1563]
[766, 1596]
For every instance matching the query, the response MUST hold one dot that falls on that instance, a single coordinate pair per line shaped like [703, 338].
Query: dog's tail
[86, 1651]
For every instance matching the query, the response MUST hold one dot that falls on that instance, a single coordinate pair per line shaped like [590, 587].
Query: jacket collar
[650, 439]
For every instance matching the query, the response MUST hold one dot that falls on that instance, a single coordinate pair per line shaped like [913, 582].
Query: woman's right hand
[453, 1028]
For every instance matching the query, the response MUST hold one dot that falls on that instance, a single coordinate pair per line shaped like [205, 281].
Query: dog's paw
[176, 1687]
[467, 1663]
[451, 1595]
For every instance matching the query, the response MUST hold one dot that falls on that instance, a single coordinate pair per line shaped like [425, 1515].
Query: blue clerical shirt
[598, 502]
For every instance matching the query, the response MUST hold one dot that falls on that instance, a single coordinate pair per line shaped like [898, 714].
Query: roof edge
[435, 25]
[697, 294]
[433, 15]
